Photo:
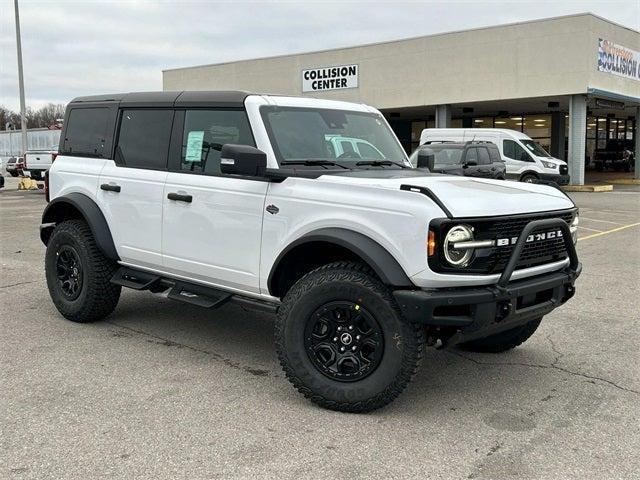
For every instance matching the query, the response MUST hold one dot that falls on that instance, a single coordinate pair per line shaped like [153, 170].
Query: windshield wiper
[312, 163]
[381, 163]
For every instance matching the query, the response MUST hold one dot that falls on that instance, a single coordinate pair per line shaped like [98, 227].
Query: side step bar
[200, 296]
[194, 294]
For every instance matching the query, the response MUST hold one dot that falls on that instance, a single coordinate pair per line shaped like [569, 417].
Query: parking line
[609, 231]
[602, 221]
[590, 229]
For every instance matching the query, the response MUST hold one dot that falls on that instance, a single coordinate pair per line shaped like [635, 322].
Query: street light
[23, 118]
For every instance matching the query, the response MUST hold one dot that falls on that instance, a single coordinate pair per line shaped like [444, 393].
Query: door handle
[110, 187]
[179, 197]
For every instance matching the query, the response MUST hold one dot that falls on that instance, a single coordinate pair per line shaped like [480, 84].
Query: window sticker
[194, 146]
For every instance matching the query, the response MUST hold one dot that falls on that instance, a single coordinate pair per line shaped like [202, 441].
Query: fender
[375, 255]
[58, 210]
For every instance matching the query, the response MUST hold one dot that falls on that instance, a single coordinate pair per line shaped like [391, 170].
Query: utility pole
[23, 117]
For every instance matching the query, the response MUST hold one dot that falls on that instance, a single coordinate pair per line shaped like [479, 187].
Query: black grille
[564, 169]
[494, 259]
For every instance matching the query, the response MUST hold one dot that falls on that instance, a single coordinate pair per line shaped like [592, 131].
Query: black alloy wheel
[344, 341]
[69, 272]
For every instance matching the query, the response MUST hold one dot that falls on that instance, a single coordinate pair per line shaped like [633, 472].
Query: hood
[554, 160]
[471, 197]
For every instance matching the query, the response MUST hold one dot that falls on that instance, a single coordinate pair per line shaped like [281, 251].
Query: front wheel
[342, 340]
[501, 342]
[529, 178]
[78, 274]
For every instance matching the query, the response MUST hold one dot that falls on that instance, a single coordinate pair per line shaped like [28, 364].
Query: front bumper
[555, 177]
[478, 312]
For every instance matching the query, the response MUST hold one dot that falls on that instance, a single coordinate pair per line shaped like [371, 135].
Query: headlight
[457, 257]
[553, 166]
[574, 228]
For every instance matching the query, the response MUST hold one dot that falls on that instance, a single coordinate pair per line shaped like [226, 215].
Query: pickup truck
[36, 162]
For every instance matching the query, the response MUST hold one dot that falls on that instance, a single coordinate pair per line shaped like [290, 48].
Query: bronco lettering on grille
[534, 237]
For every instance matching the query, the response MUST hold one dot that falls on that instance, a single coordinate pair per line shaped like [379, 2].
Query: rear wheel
[78, 274]
[342, 341]
[504, 341]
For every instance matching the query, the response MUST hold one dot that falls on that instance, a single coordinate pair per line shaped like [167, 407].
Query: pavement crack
[551, 366]
[16, 284]
[226, 361]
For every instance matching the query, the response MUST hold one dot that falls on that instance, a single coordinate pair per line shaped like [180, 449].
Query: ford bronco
[219, 197]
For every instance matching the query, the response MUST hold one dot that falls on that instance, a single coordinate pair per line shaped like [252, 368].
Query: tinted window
[512, 150]
[86, 132]
[494, 153]
[472, 156]
[205, 132]
[447, 156]
[144, 136]
[483, 156]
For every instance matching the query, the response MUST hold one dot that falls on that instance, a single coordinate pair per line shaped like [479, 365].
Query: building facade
[569, 82]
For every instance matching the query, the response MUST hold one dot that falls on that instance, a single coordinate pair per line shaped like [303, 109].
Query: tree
[42, 117]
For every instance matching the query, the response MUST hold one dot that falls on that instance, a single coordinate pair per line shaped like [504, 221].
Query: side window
[205, 132]
[494, 153]
[512, 150]
[367, 151]
[483, 156]
[143, 141]
[86, 132]
[472, 156]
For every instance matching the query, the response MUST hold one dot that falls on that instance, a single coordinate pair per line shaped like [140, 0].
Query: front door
[212, 222]
[131, 187]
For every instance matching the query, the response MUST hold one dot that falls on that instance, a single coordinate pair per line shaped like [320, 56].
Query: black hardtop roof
[220, 98]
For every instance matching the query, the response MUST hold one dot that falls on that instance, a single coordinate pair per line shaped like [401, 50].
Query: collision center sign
[618, 60]
[330, 78]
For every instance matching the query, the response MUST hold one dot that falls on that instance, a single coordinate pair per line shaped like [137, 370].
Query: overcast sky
[73, 48]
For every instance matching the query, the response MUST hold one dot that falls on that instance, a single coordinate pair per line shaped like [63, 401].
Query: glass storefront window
[483, 122]
[538, 127]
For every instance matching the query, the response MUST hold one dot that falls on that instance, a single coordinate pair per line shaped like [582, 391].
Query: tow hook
[503, 310]
[569, 292]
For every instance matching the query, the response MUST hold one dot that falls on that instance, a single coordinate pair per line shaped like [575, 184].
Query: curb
[587, 188]
[625, 181]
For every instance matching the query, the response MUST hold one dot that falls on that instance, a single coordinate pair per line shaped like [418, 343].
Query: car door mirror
[426, 159]
[470, 163]
[242, 160]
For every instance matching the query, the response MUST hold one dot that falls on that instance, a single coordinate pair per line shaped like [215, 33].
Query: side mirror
[426, 159]
[470, 163]
[242, 160]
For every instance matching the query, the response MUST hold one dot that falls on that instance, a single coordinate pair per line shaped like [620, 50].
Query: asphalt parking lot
[166, 390]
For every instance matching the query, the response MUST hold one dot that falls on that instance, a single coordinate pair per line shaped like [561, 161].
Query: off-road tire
[504, 341]
[98, 297]
[403, 341]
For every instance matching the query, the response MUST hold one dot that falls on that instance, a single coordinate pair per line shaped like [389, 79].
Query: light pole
[23, 118]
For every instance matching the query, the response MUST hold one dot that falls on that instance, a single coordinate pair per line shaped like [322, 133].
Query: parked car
[363, 261]
[15, 165]
[36, 162]
[471, 159]
[524, 158]
[617, 155]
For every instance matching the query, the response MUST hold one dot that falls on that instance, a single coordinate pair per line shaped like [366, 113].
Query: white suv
[223, 197]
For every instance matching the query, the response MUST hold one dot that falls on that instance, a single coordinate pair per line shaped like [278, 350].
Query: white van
[525, 159]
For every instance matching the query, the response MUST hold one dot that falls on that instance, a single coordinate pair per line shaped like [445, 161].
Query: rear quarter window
[88, 132]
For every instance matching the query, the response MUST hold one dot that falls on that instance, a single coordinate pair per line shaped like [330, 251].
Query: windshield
[535, 148]
[346, 137]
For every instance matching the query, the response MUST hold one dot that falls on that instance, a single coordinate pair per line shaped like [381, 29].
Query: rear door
[212, 222]
[131, 187]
